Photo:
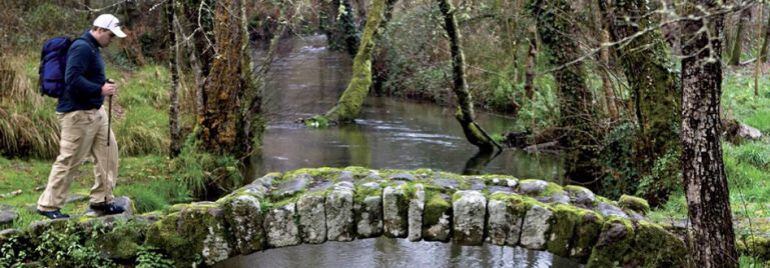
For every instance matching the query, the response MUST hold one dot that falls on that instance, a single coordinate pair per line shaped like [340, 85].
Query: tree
[575, 100]
[743, 19]
[465, 115]
[173, 62]
[763, 49]
[705, 181]
[653, 82]
[349, 104]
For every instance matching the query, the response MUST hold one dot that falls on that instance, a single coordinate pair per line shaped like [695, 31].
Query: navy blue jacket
[84, 76]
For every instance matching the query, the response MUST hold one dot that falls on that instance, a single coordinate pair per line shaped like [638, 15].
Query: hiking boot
[56, 214]
[107, 208]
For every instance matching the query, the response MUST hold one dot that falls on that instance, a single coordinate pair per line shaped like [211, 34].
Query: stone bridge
[328, 204]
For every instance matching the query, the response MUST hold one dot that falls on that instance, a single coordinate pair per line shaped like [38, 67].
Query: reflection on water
[391, 133]
[390, 252]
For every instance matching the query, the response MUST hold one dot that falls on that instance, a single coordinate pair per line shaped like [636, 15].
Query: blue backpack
[53, 63]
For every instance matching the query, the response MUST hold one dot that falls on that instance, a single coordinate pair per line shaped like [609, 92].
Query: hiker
[83, 120]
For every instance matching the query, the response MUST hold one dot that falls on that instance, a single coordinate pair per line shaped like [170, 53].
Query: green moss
[122, 239]
[566, 219]
[615, 240]
[587, 232]
[362, 192]
[634, 203]
[182, 235]
[435, 207]
[653, 246]
[317, 121]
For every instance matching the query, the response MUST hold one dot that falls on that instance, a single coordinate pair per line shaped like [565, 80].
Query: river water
[391, 133]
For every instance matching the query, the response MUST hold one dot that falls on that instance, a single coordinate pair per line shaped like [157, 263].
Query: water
[391, 133]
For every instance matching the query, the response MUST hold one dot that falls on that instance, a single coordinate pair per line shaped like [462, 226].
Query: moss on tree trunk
[575, 100]
[654, 85]
[349, 104]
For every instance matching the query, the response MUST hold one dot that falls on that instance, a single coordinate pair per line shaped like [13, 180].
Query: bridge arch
[329, 204]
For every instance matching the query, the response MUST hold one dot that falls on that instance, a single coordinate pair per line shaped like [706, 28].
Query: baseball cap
[110, 22]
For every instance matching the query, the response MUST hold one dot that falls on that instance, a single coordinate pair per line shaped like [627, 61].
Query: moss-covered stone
[436, 220]
[587, 232]
[120, 239]
[193, 235]
[565, 220]
[243, 214]
[468, 215]
[653, 246]
[395, 204]
[634, 203]
[615, 240]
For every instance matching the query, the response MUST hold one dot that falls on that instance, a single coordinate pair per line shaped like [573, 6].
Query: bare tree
[705, 181]
[173, 63]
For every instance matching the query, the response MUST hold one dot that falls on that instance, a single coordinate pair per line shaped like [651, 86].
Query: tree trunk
[705, 181]
[763, 49]
[735, 55]
[224, 87]
[654, 86]
[349, 104]
[465, 115]
[530, 65]
[340, 27]
[602, 28]
[173, 62]
[575, 99]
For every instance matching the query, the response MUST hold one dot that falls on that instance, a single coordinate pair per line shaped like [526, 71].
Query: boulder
[536, 227]
[416, 209]
[339, 213]
[469, 211]
[437, 217]
[244, 216]
[312, 218]
[281, 229]
[395, 210]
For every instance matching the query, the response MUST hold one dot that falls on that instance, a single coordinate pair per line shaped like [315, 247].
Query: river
[307, 79]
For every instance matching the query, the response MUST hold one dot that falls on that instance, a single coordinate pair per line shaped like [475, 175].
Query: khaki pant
[83, 133]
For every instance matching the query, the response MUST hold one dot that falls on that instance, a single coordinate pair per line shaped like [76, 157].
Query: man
[83, 120]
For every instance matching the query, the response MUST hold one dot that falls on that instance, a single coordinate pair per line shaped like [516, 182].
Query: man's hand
[109, 89]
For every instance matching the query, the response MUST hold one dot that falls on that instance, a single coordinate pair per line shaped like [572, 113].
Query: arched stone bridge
[327, 204]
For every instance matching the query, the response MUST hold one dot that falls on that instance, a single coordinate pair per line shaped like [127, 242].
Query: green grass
[746, 164]
[145, 180]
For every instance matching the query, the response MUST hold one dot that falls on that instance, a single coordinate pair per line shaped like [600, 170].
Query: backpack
[53, 63]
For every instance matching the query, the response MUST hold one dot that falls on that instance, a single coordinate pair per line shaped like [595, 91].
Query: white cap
[109, 22]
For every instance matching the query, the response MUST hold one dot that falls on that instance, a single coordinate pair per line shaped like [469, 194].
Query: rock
[469, 209]
[634, 203]
[244, 216]
[293, 186]
[369, 217]
[586, 233]
[320, 186]
[402, 177]
[532, 187]
[565, 219]
[367, 208]
[477, 184]
[534, 230]
[7, 214]
[281, 229]
[312, 218]
[395, 210]
[339, 213]
[613, 244]
[347, 175]
[197, 232]
[500, 189]
[267, 180]
[581, 196]
[748, 132]
[607, 209]
[437, 217]
[500, 222]
[449, 184]
[416, 209]
[123, 201]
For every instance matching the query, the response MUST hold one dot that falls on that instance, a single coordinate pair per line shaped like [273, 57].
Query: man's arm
[77, 61]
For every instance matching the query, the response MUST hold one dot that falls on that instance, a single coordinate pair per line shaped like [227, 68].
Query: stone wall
[327, 204]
